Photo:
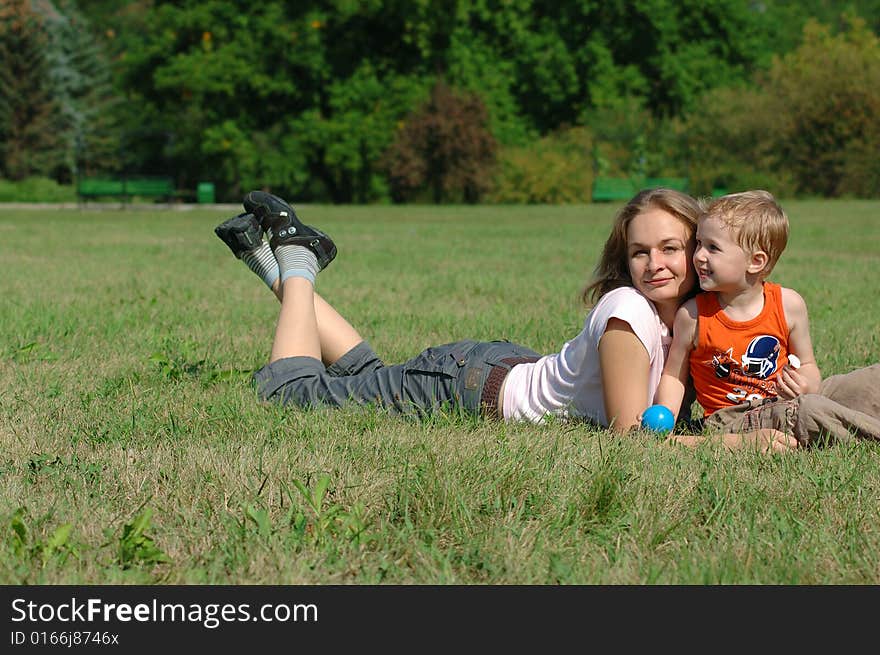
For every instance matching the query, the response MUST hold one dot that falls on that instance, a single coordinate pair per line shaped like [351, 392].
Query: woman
[607, 374]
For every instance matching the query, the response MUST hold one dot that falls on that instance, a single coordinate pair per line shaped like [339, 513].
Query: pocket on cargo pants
[430, 377]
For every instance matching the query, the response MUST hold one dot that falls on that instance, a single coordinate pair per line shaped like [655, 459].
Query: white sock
[262, 262]
[296, 261]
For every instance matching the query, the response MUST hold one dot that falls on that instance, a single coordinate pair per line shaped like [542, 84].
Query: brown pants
[847, 407]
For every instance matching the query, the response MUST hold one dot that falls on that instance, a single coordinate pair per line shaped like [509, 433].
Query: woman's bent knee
[273, 378]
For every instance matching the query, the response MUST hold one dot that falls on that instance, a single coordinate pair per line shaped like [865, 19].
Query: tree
[808, 126]
[444, 146]
[825, 97]
[29, 116]
[343, 141]
[305, 96]
[81, 84]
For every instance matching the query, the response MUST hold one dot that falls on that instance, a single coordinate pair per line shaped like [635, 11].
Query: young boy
[739, 338]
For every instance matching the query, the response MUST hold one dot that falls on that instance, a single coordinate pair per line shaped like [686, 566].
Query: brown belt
[497, 374]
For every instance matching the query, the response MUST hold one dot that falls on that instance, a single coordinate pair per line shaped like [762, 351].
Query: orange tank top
[735, 361]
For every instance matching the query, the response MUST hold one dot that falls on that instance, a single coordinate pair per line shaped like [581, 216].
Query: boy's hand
[791, 383]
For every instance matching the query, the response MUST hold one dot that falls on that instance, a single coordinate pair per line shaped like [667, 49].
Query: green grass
[134, 450]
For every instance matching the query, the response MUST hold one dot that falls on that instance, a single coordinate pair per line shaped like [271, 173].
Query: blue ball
[658, 418]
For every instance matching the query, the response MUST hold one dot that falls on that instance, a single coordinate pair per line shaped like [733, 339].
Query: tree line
[444, 100]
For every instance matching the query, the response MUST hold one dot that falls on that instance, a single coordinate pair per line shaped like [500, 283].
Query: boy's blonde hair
[612, 271]
[756, 220]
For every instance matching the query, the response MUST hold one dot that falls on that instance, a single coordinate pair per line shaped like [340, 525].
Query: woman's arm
[625, 368]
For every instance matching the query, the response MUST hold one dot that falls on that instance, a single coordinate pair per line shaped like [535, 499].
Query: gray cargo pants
[847, 407]
[456, 375]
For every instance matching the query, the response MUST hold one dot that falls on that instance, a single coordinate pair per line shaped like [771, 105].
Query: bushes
[556, 169]
[729, 148]
[36, 189]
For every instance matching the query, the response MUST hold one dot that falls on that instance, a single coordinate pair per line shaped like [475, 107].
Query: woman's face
[659, 250]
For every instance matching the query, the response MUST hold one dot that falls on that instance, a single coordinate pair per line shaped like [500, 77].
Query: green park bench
[624, 188]
[125, 188]
[614, 188]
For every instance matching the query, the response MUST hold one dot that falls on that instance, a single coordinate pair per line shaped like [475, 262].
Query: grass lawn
[134, 449]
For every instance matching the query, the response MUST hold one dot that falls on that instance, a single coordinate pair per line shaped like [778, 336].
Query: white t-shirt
[569, 383]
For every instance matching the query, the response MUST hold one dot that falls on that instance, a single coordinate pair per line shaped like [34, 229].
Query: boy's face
[722, 265]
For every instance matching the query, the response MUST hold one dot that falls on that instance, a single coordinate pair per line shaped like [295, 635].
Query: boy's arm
[766, 440]
[676, 370]
[793, 382]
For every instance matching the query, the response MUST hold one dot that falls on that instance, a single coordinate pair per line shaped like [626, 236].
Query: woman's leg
[309, 326]
[296, 332]
[243, 235]
[336, 334]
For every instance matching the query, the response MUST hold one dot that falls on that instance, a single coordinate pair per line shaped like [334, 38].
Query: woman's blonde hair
[612, 271]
